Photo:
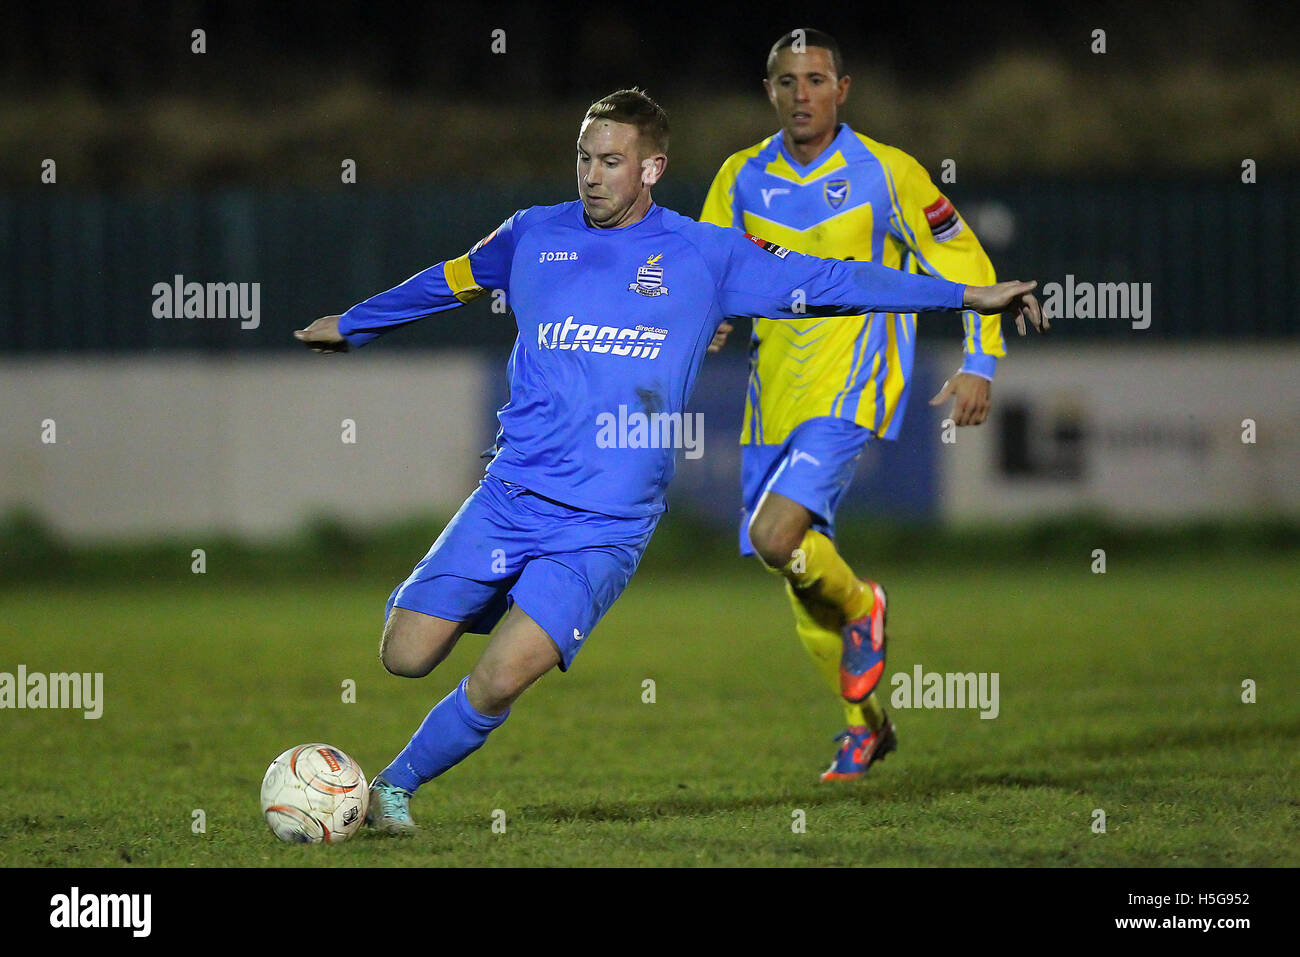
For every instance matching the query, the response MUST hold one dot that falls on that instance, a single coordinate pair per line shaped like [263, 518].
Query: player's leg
[777, 528]
[790, 528]
[519, 653]
[784, 539]
[580, 562]
[824, 592]
[800, 498]
[556, 600]
[460, 585]
[413, 643]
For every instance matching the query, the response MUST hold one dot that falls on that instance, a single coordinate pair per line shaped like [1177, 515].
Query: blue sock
[452, 731]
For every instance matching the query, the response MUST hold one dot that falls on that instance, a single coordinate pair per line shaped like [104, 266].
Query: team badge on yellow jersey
[836, 192]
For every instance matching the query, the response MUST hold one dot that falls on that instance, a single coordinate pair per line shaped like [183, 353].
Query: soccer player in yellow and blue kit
[616, 301]
[820, 390]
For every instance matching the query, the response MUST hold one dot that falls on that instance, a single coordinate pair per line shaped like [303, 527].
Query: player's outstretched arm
[1013, 295]
[323, 336]
[760, 278]
[443, 286]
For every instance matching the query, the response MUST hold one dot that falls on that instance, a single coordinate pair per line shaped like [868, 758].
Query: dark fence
[77, 272]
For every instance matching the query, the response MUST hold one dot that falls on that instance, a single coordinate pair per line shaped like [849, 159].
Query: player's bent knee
[408, 649]
[404, 667]
[398, 659]
[774, 545]
[775, 558]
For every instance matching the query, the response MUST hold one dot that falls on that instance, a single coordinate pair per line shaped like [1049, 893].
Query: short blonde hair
[636, 109]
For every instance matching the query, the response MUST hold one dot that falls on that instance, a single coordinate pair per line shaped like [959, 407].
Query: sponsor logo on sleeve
[943, 219]
[484, 241]
[780, 252]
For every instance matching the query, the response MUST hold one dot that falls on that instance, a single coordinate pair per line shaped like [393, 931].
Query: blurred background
[135, 150]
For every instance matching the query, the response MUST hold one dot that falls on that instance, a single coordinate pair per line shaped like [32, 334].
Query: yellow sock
[873, 714]
[818, 625]
[819, 574]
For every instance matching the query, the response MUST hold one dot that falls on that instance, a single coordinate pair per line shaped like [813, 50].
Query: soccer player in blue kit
[616, 300]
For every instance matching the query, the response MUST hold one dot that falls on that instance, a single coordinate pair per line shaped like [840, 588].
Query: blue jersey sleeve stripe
[908, 236]
[971, 320]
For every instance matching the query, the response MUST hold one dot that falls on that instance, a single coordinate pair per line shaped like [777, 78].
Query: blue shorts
[813, 466]
[564, 567]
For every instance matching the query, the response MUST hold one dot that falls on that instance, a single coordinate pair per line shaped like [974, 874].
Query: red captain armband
[780, 252]
[943, 219]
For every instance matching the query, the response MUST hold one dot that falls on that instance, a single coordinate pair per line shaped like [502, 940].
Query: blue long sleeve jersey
[613, 326]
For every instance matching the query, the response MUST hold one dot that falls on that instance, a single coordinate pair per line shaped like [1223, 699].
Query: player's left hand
[1014, 296]
[323, 336]
[973, 398]
[720, 336]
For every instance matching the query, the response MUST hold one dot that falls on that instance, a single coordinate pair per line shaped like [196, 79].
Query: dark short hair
[636, 109]
[811, 38]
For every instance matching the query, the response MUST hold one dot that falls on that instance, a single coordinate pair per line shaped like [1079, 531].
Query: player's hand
[322, 336]
[973, 396]
[720, 336]
[1014, 296]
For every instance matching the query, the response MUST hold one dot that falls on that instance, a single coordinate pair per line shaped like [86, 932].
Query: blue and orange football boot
[863, 660]
[861, 748]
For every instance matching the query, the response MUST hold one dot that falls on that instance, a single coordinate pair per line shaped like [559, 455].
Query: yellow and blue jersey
[862, 200]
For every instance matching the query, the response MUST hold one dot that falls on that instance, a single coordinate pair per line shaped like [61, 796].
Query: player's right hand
[1014, 295]
[720, 336]
[322, 336]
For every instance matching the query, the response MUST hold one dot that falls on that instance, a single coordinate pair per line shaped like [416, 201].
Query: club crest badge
[650, 278]
[836, 192]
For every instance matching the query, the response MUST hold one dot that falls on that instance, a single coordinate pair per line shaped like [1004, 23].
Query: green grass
[1119, 691]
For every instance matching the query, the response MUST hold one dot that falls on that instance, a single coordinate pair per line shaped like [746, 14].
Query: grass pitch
[1120, 692]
